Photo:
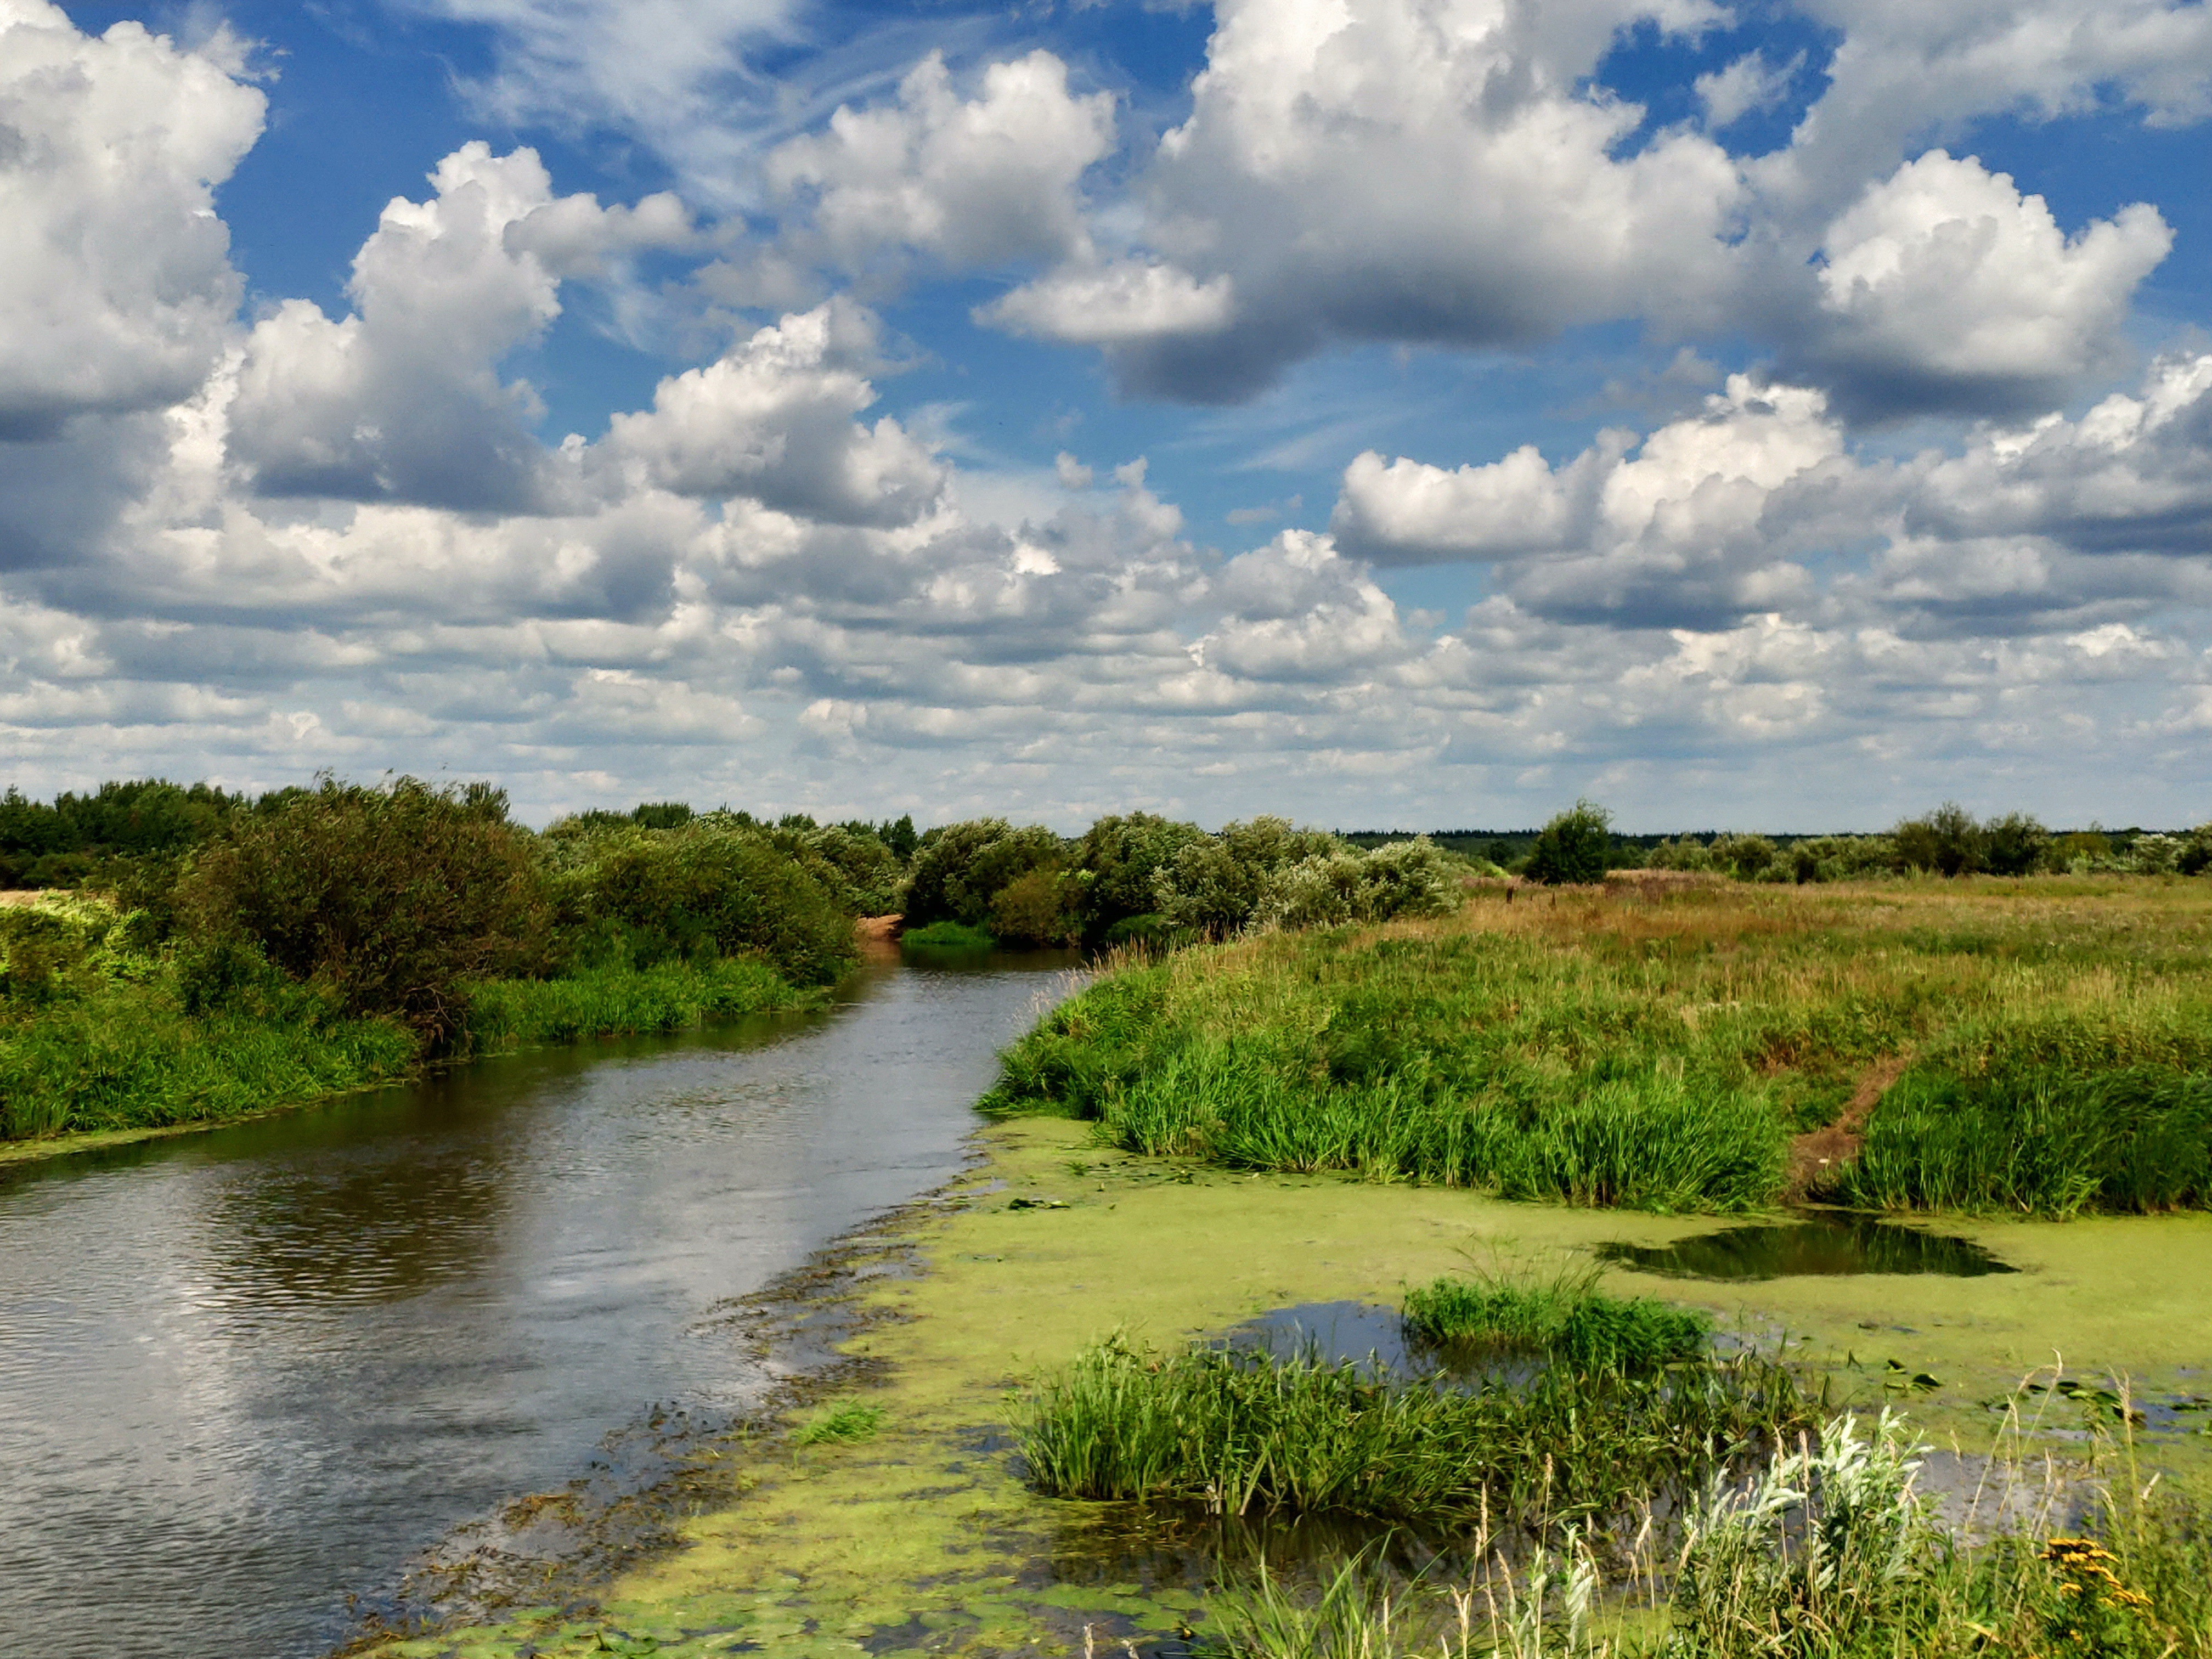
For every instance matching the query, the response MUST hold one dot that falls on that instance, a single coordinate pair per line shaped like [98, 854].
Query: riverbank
[919, 1535]
[136, 1052]
[2041, 1046]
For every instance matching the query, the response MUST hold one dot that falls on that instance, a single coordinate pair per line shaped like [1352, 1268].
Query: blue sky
[1379, 412]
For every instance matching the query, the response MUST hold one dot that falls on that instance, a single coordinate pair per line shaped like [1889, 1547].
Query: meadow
[1682, 1043]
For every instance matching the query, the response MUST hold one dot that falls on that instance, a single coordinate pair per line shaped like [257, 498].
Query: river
[246, 1372]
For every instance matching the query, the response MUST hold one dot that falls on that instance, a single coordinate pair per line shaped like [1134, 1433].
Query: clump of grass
[948, 936]
[2050, 1143]
[669, 996]
[1563, 1317]
[1239, 1432]
[840, 1424]
[1827, 1552]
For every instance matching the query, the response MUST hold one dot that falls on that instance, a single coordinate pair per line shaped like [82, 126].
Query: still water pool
[246, 1372]
[1826, 1244]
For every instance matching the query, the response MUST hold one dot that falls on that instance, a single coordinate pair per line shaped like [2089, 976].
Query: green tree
[959, 869]
[388, 900]
[1571, 848]
[1117, 860]
[1948, 841]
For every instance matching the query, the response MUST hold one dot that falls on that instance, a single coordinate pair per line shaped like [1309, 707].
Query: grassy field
[1663, 1046]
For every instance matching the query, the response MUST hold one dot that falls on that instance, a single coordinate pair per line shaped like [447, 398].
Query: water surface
[245, 1372]
[1819, 1245]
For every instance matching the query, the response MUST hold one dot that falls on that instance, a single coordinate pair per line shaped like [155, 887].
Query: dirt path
[1814, 1154]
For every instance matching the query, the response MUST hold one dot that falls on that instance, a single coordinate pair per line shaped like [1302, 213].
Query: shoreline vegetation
[2047, 1046]
[1331, 1074]
[221, 955]
[967, 1314]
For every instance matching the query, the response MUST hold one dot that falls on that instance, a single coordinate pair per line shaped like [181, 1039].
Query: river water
[246, 1372]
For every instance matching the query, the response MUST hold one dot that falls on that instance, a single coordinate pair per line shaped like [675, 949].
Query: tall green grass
[1828, 1552]
[132, 1059]
[2050, 1143]
[125, 1054]
[949, 936]
[1650, 1142]
[1240, 1432]
[1656, 1049]
[670, 996]
[1563, 1316]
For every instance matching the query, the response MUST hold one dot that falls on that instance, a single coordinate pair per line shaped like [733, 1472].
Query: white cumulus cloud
[772, 419]
[117, 291]
[1944, 285]
[973, 182]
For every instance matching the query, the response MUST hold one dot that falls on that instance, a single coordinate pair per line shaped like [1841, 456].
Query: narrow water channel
[246, 1372]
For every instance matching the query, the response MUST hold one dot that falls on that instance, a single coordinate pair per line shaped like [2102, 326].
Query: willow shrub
[388, 901]
[709, 888]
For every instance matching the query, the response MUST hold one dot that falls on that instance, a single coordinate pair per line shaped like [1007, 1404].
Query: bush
[1948, 842]
[2016, 845]
[1324, 891]
[1117, 862]
[65, 945]
[856, 864]
[1037, 910]
[1214, 886]
[1571, 848]
[1683, 853]
[388, 901]
[2196, 855]
[712, 888]
[1327, 889]
[1745, 857]
[962, 867]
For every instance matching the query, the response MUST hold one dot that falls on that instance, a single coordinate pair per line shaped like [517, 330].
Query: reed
[131, 1059]
[670, 996]
[2053, 1143]
[1561, 1315]
[1239, 1433]
[1829, 1552]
